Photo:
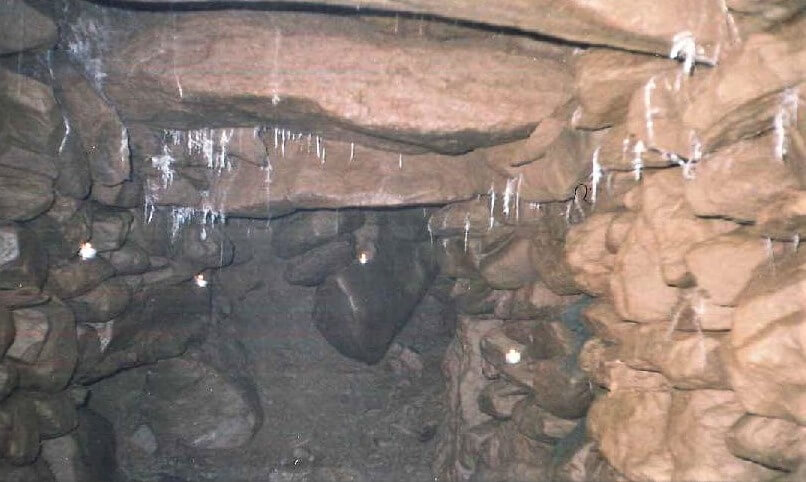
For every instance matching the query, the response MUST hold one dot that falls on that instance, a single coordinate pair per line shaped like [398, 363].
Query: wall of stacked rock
[699, 314]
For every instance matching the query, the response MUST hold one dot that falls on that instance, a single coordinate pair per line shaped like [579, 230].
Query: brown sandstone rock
[538, 424]
[723, 266]
[23, 195]
[773, 442]
[627, 25]
[764, 354]
[630, 427]
[639, 291]
[499, 398]
[24, 28]
[23, 262]
[587, 256]
[606, 80]
[510, 267]
[420, 112]
[30, 117]
[698, 422]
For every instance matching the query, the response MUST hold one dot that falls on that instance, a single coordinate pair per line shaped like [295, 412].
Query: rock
[19, 426]
[31, 117]
[538, 424]
[764, 352]
[473, 296]
[723, 266]
[63, 228]
[738, 181]
[732, 103]
[23, 264]
[675, 227]
[36, 472]
[78, 277]
[144, 439]
[784, 217]
[8, 379]
[200, 247]
[462, 368]
[360, 309]
[587, 256]
[695, 312]
[450, 121]
[456, 262]
[103, 136]
[548, 255]
[109, 229]
[499, 398]
[555, 175]
[193, 403]
[455, 219]
[161, 323]
[577, 21]
[605, 82]
[300, 180]
[510, 266]
[533, 300]
[603, 321]
[509, 454]
[12, 156]
[87, 454]
[637, 285]
[630, 427]
[582, 462]
[769, 441]
[698, 421]
[56, 413]
[601, 361]
[22, 195]
[102, 303]
[128, 260]
[404, 361]
[74, 179]
[46, 354]
[304, 231]
[128, 194]
[24, 28]
[618, 230]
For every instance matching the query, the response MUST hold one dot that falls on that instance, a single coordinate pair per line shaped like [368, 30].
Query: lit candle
[513, 356]
[87, 251]
[363, 258]
[200, 281]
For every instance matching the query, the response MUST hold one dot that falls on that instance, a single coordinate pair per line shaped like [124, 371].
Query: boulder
[23, 195]
[605, 82]
[314, 266]
[303, 231]
[193, 403]
[499, 398]
[87, 454]
[471, 217]
[540, 425]
[162, 322]
[24, 28]
[454, 260]
[109, 229]
[764, 352]
[63, 228]
[738, 181]
[630, 427]
[19, 425]
[128, 260]
[509, 267]
[639, 291]
[36, 472]
[8, 379]
[473, 296]
[673, 223]
[773, 442]
[698, 422]
[77, 277]
[300, 180]
[580, 461]
[723, 266]
[450, 121]
[23, 262]
[45, 352]
[628, 26]
[56, 413]
[74, 178]
[104, 138]
[31, 118]
[103, 303]
[784, 217]
[360, 309]
[586, 253]
[12, 156]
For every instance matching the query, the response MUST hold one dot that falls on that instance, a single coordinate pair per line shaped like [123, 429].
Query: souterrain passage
[402, 241]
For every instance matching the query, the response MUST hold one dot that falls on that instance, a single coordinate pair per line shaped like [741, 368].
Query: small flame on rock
[200, 281]
[513, 356]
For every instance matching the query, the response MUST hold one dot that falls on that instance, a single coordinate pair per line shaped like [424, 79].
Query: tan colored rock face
[764, 356]
[770, 441]
[587, 255]
[698, 421]
[623, 24]
[326, 74]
